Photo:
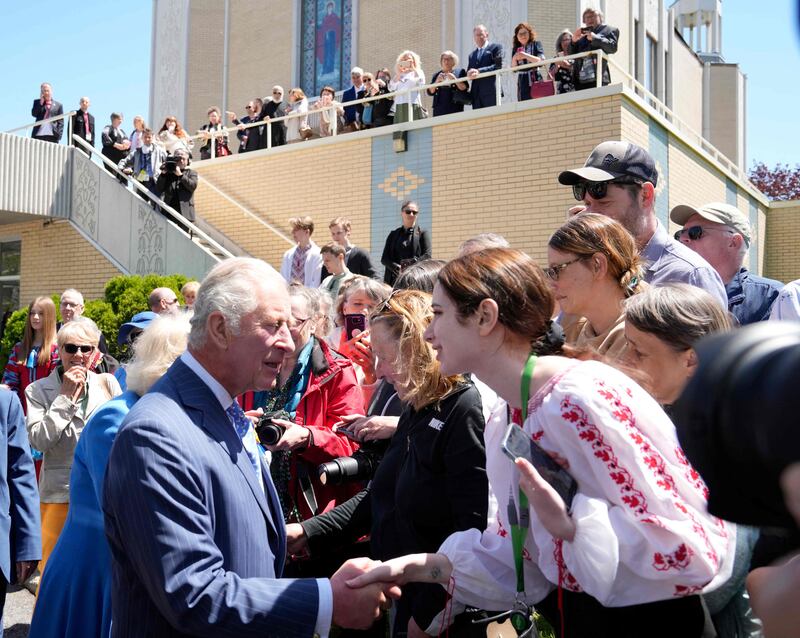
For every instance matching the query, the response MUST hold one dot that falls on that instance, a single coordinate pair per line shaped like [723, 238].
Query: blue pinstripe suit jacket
[197, 547]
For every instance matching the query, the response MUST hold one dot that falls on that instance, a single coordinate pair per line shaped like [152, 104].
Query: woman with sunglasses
[81, 560]
[432, 479]
[58, 408]
[628, 552]
[593, 267]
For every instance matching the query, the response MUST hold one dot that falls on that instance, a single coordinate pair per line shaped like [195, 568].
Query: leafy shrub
[125, 295]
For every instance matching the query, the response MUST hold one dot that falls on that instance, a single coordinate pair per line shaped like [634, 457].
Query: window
[326, 37]
[10, 252]
[650, 64]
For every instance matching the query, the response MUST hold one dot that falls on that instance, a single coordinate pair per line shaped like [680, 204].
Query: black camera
[737, 420]
[360, 466]
[269, 432]
[170, 164]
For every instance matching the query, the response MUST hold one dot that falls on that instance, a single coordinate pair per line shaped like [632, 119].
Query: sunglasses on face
[72, 348]
[598, 190]
[696, 232]
[411, 212]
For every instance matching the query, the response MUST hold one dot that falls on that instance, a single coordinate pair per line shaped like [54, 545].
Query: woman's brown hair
[406, 314]
[178, 128]
[517, 285]
[48, 309]
[516, 44]
[587, 234]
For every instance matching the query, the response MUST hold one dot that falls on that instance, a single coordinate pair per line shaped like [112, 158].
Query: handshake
[357, 605]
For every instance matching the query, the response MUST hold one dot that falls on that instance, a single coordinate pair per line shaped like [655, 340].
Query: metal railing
[64, 116]
[266, 122]
[173, 217]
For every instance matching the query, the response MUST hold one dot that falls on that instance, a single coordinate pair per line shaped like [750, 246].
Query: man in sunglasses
[721, 234]
[619, 180]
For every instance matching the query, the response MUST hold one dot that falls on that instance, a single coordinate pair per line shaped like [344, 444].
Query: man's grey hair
[73, 292]
[597, 12]
[482, 242]
[229, 289]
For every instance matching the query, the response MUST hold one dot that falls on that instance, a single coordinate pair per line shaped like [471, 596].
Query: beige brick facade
[783, 229]
[55, 257]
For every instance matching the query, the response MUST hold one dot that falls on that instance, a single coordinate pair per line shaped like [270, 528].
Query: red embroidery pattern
[567, 580]
[630, 494]
[684, 590]
[679, 559]
[691, 474]
[501, 531]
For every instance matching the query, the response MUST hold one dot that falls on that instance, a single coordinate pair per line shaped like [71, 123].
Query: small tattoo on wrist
[436, 573]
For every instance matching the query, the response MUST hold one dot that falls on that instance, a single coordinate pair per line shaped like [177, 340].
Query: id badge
[501, 630]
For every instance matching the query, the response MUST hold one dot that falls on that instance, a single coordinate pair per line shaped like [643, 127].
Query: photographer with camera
[177, 182]
[316, 387]
[432, 479]
[593, 35]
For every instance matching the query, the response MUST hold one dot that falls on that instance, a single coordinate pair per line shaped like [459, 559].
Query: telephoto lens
[359, 467]
[269, 433]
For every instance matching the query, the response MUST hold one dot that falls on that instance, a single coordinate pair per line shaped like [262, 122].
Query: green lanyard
[519, 527]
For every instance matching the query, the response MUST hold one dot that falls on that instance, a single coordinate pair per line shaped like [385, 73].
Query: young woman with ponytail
[594, 266]
[633, 550]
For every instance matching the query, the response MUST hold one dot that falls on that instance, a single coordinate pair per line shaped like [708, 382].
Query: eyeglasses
[248, 108]
[696, 232]
[554, 272]
[277, 93]
[68, 304]
[598, 190]
[411, 212]
[298, 323]
[174, 301]
[72, 348]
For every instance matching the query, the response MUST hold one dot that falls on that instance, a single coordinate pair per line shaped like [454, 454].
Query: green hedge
[124, 296]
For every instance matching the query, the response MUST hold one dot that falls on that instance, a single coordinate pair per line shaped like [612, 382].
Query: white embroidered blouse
[642, 530]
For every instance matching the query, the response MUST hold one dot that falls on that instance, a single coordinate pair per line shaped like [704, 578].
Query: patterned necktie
[246, 433]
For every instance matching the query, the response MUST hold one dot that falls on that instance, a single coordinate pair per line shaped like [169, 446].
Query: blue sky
[102, 49]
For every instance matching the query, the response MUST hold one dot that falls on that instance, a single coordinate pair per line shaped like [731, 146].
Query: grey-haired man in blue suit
[192, 517]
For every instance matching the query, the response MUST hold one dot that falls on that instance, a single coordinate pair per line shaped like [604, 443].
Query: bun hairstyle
[519, 288]
[587, 234]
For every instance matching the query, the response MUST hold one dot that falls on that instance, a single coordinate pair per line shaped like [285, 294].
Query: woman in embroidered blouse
[36, 356]
[637, 545]
[594, 266]
[408, 74]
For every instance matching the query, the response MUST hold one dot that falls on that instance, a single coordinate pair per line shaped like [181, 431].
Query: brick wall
[55, 257]
[783, 229]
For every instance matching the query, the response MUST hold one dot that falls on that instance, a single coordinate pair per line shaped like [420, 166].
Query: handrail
[48, 120]
[247, 211]
[225, 130]
[670, 115]
[178, 220]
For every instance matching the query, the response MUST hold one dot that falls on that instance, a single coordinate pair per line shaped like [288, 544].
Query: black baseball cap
[613, 160]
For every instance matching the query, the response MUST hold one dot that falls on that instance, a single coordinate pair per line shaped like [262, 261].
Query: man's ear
[487, 316]
[648, 195]
[217, 330]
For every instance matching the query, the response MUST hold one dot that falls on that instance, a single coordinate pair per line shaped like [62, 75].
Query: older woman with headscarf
[81, 561]
[58, 408]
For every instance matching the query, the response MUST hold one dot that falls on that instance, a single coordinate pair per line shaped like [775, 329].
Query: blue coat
[197, 547]
[490, 58]
[750, 297]
[20, 525]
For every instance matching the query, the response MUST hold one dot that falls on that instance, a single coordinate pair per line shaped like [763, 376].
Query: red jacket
[332, 392]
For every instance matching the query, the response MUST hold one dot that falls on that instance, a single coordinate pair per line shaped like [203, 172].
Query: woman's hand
[370, 428]
[73, 382]
[414, 568]
[296, 540]
[359, 351]
[546, 502]
[296, 436]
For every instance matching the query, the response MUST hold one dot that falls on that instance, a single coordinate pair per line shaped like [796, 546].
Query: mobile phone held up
[586, 29]
[518, 443]
[354, 322]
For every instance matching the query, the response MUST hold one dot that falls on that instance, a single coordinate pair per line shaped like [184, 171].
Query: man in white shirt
[303, 263]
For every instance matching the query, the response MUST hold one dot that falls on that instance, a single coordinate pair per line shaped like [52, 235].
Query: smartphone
[349, 434]
[586, 29]
[518, 443]
[354, 322]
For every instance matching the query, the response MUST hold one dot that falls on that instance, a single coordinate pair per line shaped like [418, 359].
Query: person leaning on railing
[296, 127]
[381, 109]
[527, 49]
[220, 140]
[330, 110]
[561, 71]
[408, 74]
[449, 98]
[594, 36]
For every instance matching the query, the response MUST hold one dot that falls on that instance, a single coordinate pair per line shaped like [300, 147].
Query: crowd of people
[292, 449]
[336, 117]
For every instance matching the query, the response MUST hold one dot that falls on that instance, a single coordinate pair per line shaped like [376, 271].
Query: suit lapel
[205, 411]
[277, 515]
